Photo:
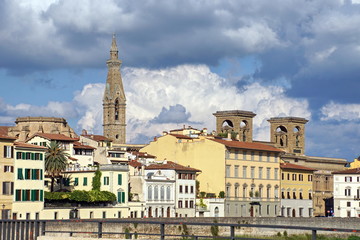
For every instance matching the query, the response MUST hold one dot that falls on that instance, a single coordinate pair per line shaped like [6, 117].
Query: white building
[347, 193]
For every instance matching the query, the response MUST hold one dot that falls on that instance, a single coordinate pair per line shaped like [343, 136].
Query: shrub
[80, 196]
[222, 194]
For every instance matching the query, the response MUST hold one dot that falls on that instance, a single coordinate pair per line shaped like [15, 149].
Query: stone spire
[114, 101]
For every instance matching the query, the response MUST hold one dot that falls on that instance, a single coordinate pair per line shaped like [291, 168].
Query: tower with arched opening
[288, 133]
[114, 101]
[237, 123]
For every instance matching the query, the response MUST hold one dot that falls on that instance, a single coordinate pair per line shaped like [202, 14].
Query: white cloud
[340, 112]
[197, 89]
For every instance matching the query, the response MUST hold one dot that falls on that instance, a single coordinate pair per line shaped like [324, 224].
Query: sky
[184, 60]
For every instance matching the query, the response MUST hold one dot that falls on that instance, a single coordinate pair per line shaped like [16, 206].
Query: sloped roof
[295, 167]
[78, 145]
[143, 155]
[349, 171]
[135, 163]
[98, 138]
[171, 165]
[7, 137]
[247, 145]
[56, 137]
[4, 130]
[27, 145]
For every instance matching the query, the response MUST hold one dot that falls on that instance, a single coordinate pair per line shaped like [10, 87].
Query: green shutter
[105, 181]
[76, 182]
[41, 174]
[41, 156]
[122, 197]
[41, 195]
[119, 179]
[23, 155]
[23, 195]
[33, 174]
[119, 197]
[32, 156]
[26, 173]
[33, 195]
[20, 174]
[85, 181]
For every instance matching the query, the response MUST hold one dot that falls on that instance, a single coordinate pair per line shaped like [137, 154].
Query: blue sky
[184, 60]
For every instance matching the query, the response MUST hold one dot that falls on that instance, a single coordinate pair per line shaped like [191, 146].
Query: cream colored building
[6, 176]
[233, 167]
[296, 190]
[28, 199]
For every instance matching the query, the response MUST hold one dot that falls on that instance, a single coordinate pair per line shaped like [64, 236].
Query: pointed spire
[113, 44]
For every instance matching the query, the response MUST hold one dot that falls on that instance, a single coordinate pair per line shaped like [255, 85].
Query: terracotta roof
[4, 130]
[27, 145]
[56, 137]
[171, 165]
[135, 163]
[7, 137]
[294, 166]
[78, 145]
[349, 171]
[246, 145]
[73, 159]
[185, 128]
[143, 155]
[181, 136]
[98, 138]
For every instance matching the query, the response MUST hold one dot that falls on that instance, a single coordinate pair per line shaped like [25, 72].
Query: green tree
[55, 161]
[96, 183]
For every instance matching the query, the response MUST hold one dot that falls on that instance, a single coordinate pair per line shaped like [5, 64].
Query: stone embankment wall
[176, 229]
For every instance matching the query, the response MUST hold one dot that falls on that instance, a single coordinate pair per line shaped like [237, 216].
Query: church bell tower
[114, 101]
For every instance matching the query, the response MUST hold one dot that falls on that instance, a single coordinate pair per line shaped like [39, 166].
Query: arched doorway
[168, 212]
[156, 212]
[149, 212]
[162, 212]
[216, 212]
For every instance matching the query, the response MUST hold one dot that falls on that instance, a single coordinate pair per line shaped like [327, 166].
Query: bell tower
[114, 100]
[288, 133]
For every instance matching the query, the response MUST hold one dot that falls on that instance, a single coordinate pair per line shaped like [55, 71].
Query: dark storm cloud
[175, 114]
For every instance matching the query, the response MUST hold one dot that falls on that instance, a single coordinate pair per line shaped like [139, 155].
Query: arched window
[156, 193]
[149, 192]
[168, 193]
[162, 193]
[116, 109]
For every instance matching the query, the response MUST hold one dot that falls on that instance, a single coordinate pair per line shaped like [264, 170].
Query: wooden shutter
[4, 151]
[122, 197]
[119, 179]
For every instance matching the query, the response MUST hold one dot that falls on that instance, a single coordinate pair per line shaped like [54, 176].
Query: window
[236, 171]
[294, 177]
[121, 197]
[180, 189]
[76, 181]
[162, 193]
[348, 191]
[191, 189]
[276, 192]
[186, 204]
[309, 178]
[227, 190]
[228, 170]
[156, 193]
[186, 189]
[282, 176]
[301, 177]
[85, 181]
[244, 155]
[268, 192]
[268, 157]
[179, 204]
[106, 181]
[252, 173]
[276, 158]
[227, 154]
[252, 156]
[119, 179]
[348, 179]
[260, 156]
[8, 151]
[236, 154]
[244, 191]
[20, 174]
[8, 168]
[294, 195]
[268, 173]
[168, 193]
[260, 172]
[149, 192]
[348, 204]
[236, 191]
[7, 188]
[244, 171]
[191, 204]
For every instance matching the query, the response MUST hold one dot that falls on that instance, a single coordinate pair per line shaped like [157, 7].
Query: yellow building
[355, 163]
[29, 181]
[296, 190]
[7, 175]
[239, 169]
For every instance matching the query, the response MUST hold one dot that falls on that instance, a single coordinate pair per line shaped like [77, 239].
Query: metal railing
[31, 229]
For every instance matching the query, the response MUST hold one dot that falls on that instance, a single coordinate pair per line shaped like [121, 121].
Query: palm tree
[55, 161]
